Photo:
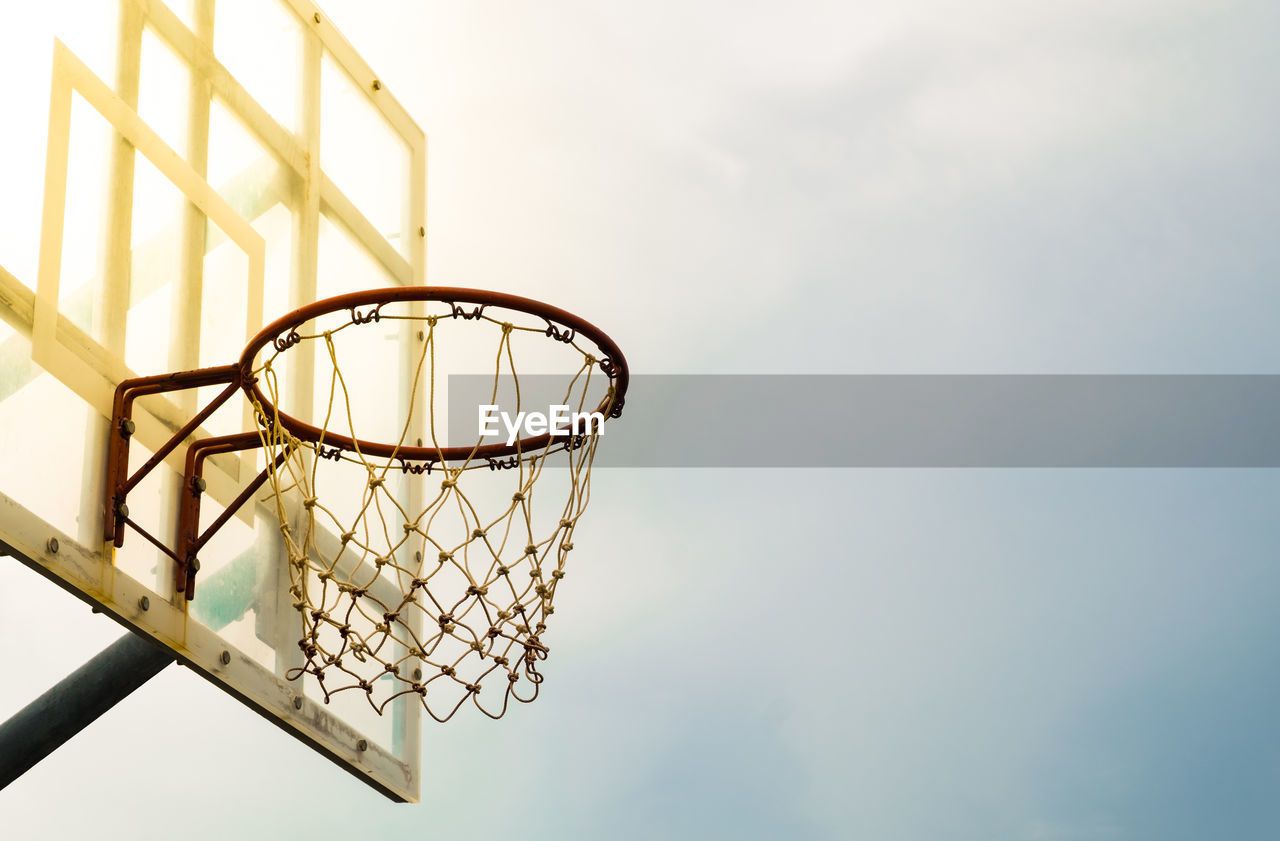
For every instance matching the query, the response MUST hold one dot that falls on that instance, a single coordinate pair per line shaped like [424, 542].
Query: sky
[799, 188]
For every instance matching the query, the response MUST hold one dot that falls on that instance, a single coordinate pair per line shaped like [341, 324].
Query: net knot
[517, 497]
[377, 482]
[557, 574]
[309, 502]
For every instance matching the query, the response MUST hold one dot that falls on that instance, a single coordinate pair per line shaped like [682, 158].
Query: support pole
[75, 702]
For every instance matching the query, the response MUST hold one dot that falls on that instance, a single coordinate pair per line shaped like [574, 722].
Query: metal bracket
[119, 482]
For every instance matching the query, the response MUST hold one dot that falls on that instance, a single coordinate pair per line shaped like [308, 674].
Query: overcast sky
[817, 187]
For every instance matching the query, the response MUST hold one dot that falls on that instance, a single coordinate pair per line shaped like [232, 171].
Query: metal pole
[75, 702]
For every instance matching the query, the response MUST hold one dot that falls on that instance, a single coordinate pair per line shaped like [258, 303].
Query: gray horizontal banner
[921, 421]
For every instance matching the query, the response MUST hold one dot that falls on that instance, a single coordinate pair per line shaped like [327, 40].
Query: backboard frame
[60, 347]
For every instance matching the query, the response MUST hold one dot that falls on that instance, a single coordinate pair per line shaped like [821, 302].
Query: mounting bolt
[362, 745]
[127, 427]
[144, 603]
[421, 335]
[194, 564]
[226, 658]
[417, 674]
[122, 511]
[417, 556]
[419, 442]
[422, 230]
[297, 703]
[316, 17]
[52, 545]
[198, 484]
[377, 86]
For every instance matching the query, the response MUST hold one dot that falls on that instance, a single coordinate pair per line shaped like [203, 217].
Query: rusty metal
[119, 482]
[190, 539]
[281, 335]
[613, 364]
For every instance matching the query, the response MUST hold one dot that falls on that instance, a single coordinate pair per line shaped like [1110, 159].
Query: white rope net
[448, 599]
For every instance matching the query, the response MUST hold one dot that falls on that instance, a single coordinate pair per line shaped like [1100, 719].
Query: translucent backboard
[175, 175]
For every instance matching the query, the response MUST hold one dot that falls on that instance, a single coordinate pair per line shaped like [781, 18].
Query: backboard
[175, 174]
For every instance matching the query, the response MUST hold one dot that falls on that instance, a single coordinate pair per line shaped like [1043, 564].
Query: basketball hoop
[393, 601]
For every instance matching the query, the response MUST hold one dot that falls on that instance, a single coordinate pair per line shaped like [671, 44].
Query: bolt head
[362, 745]
[198, 484]
[52, 545]
[144, 603]
[226, 658]
[122, 511]
[297, 703]
[127, 427]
